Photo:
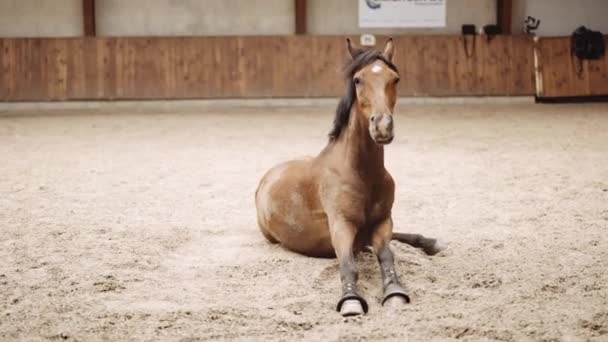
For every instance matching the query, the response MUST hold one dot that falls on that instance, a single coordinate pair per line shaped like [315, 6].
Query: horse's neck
[361, 153]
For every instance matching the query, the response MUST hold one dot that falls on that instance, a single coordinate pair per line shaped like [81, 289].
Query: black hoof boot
[395, 290]
[351, 304]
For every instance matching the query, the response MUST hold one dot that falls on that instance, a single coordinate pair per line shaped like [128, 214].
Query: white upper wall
[194, 17]
[63, 18]
[342, 17]
[41, 18]
[561, 17]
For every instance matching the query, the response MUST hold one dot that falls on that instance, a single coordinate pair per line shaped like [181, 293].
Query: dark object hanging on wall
[491, 31]
[586, 44]
[532, 24]
[468, 30]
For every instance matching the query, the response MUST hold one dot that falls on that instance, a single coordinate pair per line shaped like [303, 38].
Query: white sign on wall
[402, 13]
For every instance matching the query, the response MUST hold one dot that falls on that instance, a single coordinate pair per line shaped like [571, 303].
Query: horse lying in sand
[340, 202]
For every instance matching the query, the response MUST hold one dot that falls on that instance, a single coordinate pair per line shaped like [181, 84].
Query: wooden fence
[563, 75]
[105, 68]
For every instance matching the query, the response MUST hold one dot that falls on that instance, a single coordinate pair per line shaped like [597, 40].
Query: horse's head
[374, 79]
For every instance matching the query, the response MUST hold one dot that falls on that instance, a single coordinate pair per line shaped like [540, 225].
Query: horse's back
[289, 209]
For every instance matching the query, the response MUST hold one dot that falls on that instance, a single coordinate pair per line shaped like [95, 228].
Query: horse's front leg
[343, 237]
[394, 292]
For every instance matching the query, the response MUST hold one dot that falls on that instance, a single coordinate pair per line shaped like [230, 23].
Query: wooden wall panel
[4, 72]
[56, 68]
[597, 73]
[463, 70]
[522, 58]
[249, 67]
[502, 66]
[560, 71]
[493, 66]
[105, 75]
[206, 67]
[324, 63]
[76, 85]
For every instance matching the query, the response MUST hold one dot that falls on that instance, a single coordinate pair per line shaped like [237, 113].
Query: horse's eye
[357, 80]
[397, 80]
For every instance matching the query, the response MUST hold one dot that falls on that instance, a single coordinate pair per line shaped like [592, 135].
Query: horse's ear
[389, 50]
[349, 47]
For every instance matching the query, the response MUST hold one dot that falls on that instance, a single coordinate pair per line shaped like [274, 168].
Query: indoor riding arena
[303, 170]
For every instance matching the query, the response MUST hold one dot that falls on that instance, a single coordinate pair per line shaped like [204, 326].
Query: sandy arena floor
[142, 227]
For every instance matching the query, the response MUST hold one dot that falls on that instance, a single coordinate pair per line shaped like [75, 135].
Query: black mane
[360, 59]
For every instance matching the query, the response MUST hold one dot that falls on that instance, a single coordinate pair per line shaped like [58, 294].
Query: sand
[141, 226]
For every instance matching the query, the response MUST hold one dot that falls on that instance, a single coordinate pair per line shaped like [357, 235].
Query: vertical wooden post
[300, 16]
[88, 14]
[504, 14]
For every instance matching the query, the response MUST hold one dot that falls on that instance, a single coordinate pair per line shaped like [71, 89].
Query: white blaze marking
[376, 69]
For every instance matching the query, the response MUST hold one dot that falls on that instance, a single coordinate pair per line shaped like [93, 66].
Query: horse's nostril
[373, 118]
[390, 124]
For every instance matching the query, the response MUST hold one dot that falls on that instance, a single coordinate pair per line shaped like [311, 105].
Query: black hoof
[395, 290]
[350, 297]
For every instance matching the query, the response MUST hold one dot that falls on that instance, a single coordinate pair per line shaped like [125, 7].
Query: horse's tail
[428, 245]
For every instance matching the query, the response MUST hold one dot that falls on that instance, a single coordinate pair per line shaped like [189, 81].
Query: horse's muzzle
[381, 128]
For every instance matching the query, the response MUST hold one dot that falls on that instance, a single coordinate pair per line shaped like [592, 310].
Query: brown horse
[340, 202]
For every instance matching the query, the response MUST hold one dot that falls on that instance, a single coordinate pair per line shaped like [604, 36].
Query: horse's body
[340, 201]
[300, 221]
